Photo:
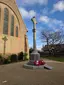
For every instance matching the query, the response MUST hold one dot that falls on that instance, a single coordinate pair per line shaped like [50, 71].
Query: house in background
[13, 27]
[56, 47]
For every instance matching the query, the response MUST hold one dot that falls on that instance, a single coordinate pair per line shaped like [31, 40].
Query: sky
[49, 15]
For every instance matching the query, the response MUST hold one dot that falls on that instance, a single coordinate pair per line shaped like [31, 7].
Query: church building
[12, 28]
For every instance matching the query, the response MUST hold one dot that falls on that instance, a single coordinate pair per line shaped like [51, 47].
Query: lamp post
[34, 55]
[4, 39]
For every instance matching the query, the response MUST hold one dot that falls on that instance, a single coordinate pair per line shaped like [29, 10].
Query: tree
[55, 37]
[51, 38]
[44, 36]
[62, 37]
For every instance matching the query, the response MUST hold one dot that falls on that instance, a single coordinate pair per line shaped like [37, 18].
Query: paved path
[15, 74]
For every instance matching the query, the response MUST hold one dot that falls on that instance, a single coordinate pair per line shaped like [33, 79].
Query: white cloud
[32, 13]
[27, 14]
[59, 6]
[52, 23]
[56, 24]
[44, 19]
[45, 11]
[32, 2]
[39, 46]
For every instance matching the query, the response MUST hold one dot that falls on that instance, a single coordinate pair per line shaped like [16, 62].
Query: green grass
[61, 59]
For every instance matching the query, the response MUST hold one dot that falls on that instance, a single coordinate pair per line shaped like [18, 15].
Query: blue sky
[49, 15]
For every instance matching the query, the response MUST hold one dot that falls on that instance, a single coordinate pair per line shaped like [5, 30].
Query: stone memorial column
[34, 55]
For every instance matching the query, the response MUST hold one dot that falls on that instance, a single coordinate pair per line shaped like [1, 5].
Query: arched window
[6, 16]
[25, 44]
[0, 13]
[16, 31]
[12, 25]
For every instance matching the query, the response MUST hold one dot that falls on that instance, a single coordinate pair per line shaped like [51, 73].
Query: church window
[16, 31]
[12, 25]
[6, 18]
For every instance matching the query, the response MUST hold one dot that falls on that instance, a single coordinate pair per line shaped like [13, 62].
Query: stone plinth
[27, 66]
[34, 57]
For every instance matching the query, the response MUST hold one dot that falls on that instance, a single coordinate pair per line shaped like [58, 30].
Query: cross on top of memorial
[34, 20]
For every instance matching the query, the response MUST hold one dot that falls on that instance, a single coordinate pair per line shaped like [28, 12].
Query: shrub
[14, 58]
[25, 56]
[6, 61]
[9, 58]
[1, 59]
[20, 56]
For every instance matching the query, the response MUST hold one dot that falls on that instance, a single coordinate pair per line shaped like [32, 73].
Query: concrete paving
[15, 74]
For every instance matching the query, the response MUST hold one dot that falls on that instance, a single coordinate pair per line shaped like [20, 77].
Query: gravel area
[15, 74]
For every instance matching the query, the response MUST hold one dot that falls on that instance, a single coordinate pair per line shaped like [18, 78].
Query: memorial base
[32, 66]
[27, 66]
[34, 57]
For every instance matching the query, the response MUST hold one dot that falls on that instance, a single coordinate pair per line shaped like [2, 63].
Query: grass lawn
[61, 59]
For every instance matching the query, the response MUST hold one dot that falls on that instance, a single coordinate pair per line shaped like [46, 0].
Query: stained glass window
[16, 31]
[12, 25]
[0, 13]
[6, 16]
